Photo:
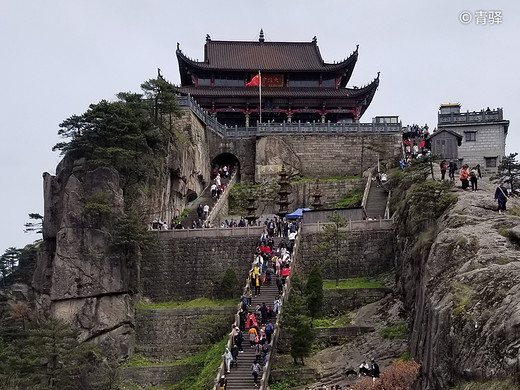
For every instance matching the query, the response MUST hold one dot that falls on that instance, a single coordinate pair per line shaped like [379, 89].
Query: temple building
[296, 84]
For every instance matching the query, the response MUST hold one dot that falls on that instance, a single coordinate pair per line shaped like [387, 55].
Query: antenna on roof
[261, 37]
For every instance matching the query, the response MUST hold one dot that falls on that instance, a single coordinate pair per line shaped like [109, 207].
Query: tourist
[258, 352]
[258, 283]
[217, 180]
[251, 320]
[443, 169]
[228, 358]
[206, 212]
[234, 354]
[255, 371]
[222, 383]
[501, 197]
[452, 167]
[265, 351]
[364, 369]
[473, 178]
[213, 190]
[279, 284]
[276, 304]
[464, 175]
[249, 295]
[263, 312]
[269, 329]
[478, 171]
[374, 370]
[200, 211]
[253, 336]
[242, 314]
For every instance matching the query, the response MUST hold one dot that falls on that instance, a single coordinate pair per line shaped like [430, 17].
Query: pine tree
[314, 292]
[330, 242]
[509, 172]
[301, 339]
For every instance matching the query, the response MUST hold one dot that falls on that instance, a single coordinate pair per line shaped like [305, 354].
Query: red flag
[254, 81]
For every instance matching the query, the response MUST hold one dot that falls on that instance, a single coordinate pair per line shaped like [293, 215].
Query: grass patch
[350, 199]
[462, 295]
[405, 356]
[183, 215]
[503, 231]
[209, 362]
[502, 261]
[461, 241]
[397, 331]
[138, 360]
[289, 384]
[505, 384]
[199, 302]
[332, 322]
[353, 283]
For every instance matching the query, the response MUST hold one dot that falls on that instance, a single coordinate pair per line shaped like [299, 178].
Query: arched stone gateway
[225, 159]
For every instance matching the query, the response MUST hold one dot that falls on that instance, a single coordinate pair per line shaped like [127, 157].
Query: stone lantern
[283, 192]
[316, 194]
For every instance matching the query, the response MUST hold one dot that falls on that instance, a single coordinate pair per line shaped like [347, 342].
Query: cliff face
[463, 293]
[78, 278]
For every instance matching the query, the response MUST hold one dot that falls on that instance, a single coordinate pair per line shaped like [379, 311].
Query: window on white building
[491, 162]
[471, 136]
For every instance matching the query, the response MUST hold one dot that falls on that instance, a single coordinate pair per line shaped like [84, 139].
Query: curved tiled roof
[273, 92]
[252, 56]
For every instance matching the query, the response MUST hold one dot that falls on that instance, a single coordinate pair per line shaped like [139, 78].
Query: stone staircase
[240, 377]
[204, 198]
[376, 202]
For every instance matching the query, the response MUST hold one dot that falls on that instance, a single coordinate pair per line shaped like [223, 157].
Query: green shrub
[363, 282]
[397, 331]
[229, 287]
[350, 199]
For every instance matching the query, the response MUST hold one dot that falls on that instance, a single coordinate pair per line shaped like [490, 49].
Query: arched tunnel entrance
[225, 162]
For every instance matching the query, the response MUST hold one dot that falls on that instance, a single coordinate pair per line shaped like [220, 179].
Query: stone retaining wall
[188, 268]
[344, 300]
[148, 376]
[373, 249]
[325, 336]
[169, 334]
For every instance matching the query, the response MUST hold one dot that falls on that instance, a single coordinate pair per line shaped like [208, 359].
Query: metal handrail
[264, 381]
[223, 198]
[366, 192]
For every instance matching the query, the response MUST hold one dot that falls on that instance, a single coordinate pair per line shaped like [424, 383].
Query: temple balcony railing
[471, 117]
[271, 128]
[328, 128]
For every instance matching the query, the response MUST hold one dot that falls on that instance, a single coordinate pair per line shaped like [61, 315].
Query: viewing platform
[285, 127]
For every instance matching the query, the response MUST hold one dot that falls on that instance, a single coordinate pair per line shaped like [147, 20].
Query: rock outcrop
[78, 278]
[463, 293]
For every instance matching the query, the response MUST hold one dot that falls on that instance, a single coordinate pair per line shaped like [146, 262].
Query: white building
[483, 135]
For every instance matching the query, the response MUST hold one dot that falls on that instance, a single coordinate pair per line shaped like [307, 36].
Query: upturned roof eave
[326, 67]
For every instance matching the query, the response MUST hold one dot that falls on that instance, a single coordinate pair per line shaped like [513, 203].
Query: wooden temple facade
[296, 84]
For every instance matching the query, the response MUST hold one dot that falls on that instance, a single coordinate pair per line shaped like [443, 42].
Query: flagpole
[260, 93]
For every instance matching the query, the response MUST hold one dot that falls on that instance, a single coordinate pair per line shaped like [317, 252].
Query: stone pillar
[247, 120]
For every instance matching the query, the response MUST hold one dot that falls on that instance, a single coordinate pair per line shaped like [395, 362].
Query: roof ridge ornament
[261, 36]
[208, 38]
[178, 46]
[314, 39]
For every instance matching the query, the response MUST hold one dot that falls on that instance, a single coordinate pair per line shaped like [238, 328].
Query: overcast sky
[58, 56]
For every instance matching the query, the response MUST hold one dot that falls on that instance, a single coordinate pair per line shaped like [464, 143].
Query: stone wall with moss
[181, 269]
[165, 335]
[363, 253]
[333, 191]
